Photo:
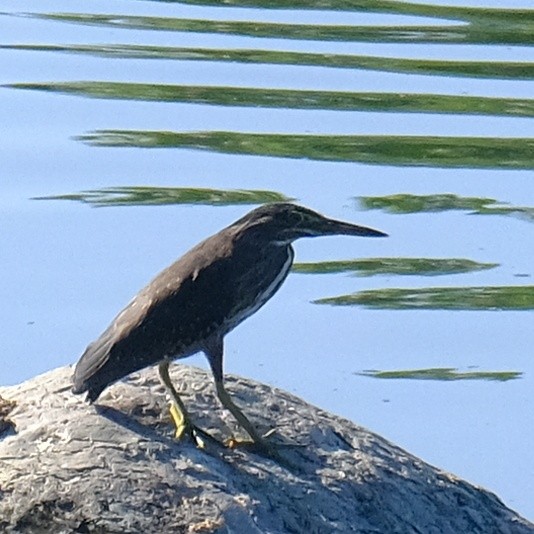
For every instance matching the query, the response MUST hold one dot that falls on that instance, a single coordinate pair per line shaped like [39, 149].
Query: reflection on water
[402, 266]
[160, 196]
[406, 203]
[472, 26]
[513, 18]
[474, 152]
[287, 98]
[478, 69]
[443, 373]
[441, 298]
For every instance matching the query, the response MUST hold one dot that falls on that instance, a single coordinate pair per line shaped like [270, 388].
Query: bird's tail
[90, 372]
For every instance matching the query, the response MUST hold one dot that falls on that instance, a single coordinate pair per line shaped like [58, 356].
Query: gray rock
[66, 466]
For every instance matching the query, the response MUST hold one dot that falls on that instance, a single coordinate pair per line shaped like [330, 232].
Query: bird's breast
[261, 283]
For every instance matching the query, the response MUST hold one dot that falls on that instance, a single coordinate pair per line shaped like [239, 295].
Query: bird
[191, 305]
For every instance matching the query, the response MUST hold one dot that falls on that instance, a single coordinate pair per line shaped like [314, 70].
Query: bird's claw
[259, 445]
[186, 429]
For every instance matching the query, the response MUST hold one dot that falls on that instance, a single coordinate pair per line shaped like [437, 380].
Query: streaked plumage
[191, 305]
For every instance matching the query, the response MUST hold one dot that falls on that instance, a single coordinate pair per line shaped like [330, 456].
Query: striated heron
[190, 306]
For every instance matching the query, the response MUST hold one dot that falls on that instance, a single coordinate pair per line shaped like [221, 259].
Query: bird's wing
[174, 307]
[97, 353]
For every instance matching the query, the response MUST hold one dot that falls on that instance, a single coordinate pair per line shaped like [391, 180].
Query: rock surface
[66, 466]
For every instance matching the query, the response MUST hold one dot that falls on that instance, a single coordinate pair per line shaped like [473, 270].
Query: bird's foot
[264, 448]
[259, 445]
[185, 429]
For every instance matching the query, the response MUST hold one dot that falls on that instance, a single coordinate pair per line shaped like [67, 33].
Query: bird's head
[282, 223]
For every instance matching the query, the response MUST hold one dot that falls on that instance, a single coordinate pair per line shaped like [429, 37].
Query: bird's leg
[241, 418]
[179, 414]
[214, 352]
[178, 411]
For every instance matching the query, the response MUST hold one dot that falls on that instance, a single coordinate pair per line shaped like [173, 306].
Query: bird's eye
[297, 218]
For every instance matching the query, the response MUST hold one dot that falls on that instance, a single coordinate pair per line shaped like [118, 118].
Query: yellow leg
[258, 443]
[213, 348]
[180, 422]
[179, 415]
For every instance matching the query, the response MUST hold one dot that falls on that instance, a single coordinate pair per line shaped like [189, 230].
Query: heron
[191, 305]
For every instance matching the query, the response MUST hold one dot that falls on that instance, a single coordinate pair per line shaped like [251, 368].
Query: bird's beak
[333, 227]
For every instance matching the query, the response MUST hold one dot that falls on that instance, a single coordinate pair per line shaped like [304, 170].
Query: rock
[66, 466]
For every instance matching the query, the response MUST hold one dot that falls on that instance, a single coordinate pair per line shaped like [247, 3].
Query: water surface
[135, 129]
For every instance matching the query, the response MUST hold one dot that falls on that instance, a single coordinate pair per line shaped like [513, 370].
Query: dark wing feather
[182, 307]
[163, 320]
[97, 354]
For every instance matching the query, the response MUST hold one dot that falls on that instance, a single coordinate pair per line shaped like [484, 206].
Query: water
[68, 268]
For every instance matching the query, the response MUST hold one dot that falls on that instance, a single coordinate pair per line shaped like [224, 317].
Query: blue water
[67, 269]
